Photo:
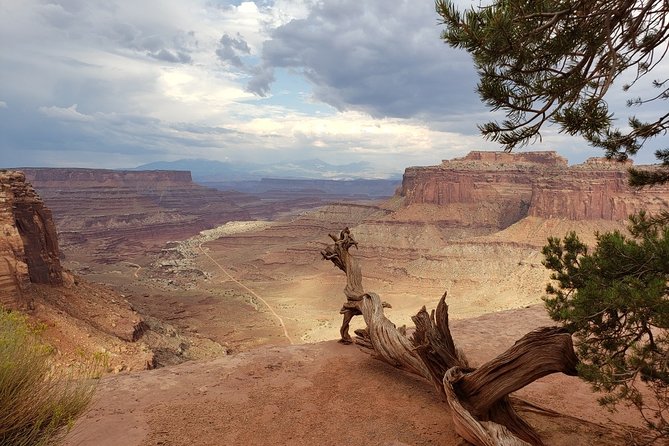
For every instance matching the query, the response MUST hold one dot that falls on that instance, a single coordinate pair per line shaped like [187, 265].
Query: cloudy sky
[99, 83]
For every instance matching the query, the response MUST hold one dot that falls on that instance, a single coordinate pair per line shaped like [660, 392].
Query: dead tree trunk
[342, 259]
[478, 398]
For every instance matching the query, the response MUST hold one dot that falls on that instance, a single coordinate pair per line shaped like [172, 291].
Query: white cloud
[65, 114]
[138, 81]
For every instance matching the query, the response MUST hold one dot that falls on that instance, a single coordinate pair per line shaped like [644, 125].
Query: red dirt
[324, 393]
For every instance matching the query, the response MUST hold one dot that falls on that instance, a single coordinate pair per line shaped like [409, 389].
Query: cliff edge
[28, 243]
[497, 189]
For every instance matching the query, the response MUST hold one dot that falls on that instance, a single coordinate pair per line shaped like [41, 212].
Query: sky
[114, 84]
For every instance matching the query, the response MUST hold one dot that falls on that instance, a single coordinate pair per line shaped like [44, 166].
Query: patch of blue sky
[293, 91]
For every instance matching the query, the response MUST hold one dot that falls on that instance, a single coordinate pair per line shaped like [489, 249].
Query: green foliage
[615, 301]
[555, 60]
[37, 401]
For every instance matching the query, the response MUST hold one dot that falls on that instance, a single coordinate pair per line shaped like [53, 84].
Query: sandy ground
[324, 393]
[275, 389]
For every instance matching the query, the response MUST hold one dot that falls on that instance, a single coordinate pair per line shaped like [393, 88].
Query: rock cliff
[28, 242]
[497, 189]
[594, 190]
[116, 213]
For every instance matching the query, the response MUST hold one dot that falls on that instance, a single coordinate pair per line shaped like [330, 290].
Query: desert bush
[38, 401]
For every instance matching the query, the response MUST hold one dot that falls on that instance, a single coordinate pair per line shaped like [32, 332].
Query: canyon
[130, 212]
[199, 273]
[79, 318]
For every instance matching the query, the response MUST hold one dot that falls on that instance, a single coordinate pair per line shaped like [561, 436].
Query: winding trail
[269, 307]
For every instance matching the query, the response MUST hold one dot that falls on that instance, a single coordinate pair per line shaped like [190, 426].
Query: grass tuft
[38, 401]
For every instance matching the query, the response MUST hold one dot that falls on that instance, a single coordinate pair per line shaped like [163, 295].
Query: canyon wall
[28, 242]
[499, 188]
[594, 190]
[116, 213]
[75, 177]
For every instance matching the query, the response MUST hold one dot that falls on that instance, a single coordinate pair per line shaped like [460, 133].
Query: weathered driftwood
[478, 398]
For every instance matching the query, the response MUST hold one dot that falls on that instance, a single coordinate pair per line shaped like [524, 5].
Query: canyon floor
[257, 297]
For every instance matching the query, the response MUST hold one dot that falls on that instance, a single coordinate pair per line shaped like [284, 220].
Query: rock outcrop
[28, 242]
[594, 190]
[497, 189]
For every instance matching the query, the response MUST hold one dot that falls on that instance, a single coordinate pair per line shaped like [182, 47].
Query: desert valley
[219, 317]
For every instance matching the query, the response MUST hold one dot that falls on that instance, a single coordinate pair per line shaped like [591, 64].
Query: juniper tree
[554, 61]
[616, 301]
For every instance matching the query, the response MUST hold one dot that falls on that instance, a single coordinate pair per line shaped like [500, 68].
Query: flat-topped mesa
[28, 242]
[595, 190]
[479, 159]
[484, 189]
[496, 189]
[77, 177]
[601, 163]
[115, 213]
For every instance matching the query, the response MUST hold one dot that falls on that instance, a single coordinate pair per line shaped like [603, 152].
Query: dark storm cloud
[385, 59]
[173, 49]
[55, 134]
[230, 48]
[76, 21]
[170, 56]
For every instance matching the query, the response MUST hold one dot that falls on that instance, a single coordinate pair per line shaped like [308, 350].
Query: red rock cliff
[594, 190]
[495, 187]
[73, 178]
[502, 188]
[28, 241]
[117, 213]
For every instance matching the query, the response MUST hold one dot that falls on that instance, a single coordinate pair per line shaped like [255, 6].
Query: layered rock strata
[117, 213]
[28, 242]
[498, 189]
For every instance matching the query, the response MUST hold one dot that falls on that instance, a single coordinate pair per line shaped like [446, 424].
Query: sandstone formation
[115, 213]
[497, 189]
[80, 319]
[28, 242]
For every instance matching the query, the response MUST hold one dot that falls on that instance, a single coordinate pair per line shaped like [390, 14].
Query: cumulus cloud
[261, 82]
[387, 61]
[171, 56]
[116, 84]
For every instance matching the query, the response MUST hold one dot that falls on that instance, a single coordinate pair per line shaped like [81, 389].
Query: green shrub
[38, 401]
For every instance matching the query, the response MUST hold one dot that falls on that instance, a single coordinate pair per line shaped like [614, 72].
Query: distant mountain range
[204, 170]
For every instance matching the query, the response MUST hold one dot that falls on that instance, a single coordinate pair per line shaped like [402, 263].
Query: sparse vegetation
[38, 401]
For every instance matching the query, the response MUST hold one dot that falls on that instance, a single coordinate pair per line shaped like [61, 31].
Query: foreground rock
[326, 394]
